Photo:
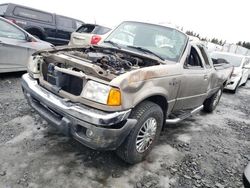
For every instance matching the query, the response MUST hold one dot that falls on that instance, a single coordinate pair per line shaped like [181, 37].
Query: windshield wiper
[113, 43]
[146, 51]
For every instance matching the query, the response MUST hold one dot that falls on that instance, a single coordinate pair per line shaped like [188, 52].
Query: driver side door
[194, 82]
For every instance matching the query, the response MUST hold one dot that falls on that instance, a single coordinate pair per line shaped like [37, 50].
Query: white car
[88, 34]
[248, 69]
[241, 68]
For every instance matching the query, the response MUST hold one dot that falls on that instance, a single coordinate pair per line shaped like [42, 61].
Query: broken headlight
[33, 66]
[102, 93]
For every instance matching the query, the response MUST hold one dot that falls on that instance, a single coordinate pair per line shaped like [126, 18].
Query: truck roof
[38, 10]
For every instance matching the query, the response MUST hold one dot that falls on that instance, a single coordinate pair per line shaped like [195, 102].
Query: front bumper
[94, 128]
[233, 83]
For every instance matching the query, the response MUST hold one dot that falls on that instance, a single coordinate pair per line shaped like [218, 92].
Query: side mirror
[30, 38]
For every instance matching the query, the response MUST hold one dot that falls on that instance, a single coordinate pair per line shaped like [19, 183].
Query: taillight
[95, 39]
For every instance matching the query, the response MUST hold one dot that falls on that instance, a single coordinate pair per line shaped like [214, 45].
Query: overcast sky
[224, 19]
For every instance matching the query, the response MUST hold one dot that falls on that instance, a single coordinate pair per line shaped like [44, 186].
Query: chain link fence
[231, 48]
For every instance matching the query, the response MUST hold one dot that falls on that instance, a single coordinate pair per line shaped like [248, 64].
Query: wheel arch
[159, 99]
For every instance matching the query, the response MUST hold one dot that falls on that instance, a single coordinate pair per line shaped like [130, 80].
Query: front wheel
[211, 103]
[143, 136]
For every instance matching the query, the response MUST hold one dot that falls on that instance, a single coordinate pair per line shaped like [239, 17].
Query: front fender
[149, 93]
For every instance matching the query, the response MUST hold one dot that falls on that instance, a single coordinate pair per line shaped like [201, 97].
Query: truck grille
[62, 81]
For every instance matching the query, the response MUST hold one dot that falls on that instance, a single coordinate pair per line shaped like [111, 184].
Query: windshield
[166, 42]
[3, 9]
[232, 59]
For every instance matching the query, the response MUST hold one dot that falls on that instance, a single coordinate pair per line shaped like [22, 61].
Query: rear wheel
[211, 103]
[143, 136]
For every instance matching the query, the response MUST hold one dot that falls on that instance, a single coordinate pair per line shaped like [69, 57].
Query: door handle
[175, 82]
[205, 76]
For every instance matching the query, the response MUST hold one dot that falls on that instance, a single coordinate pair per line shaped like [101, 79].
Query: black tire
[142, 113]
[246, 183]
[211, 102]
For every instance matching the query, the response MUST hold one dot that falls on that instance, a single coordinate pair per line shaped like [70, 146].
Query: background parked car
[88, 34]
[16, 46]
[246, 177]
[44, 25]
[249, 69]
[241, 67]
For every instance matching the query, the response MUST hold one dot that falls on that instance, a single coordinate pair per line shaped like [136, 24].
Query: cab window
[193, 60]
[65, 22]
[86, 28]
[33, 14]
[3, 9]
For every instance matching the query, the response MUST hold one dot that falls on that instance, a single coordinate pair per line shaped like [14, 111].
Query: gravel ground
[206, 150]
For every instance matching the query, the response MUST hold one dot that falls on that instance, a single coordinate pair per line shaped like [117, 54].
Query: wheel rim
[217, 98]
[146, 135]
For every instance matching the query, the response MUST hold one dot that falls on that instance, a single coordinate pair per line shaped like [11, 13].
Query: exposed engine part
[113, 62]
[103, 63]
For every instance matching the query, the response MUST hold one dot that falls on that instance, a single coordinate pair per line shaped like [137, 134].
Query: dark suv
[50, 27]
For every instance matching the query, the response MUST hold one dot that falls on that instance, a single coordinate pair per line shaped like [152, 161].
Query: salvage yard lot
[206, 150]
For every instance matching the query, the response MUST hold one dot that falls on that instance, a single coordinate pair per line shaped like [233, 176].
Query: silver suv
[88, 34]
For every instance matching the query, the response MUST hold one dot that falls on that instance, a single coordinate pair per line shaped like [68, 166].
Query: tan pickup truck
[118, 95]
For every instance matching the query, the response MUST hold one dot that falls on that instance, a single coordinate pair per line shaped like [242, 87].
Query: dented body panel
[167, 79]
[66, 73]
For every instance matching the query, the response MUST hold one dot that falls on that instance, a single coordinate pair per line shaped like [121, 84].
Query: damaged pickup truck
[118, 95]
